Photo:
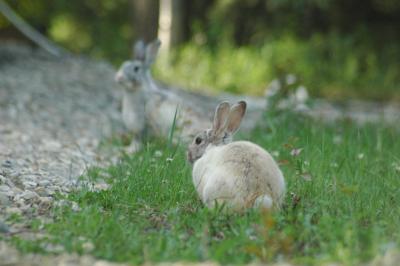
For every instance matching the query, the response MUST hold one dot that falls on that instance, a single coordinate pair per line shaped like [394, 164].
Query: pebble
[16, 190]
[75, 207]
[29, 195]
[88, 247]
[41, 191]
[4, 199]
[44, 183]
[45, 202]
[29, 184]
[4, 188]
[4, 228]
[101, 186]
[7, 163]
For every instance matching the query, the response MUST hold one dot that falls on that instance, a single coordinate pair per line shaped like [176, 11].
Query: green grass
[342, 203]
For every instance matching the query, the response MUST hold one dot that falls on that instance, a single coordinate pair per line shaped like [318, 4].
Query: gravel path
[53, 115]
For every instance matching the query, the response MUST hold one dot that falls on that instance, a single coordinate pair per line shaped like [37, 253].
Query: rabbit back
[238, 174]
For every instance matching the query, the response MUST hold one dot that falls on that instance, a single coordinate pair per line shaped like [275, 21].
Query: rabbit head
[133, 73]
[226, 122]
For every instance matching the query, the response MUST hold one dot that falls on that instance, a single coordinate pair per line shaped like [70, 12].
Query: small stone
[4, 228]
[7, 163]
[29, 195]
[16, 190]
[4, 199]
[44, 203]
[75, 207]
[88, 247]
[4, 188]
[61, 203]
[55, 188]
[54, 248]
[52, 145]
[25, 208]
[50, 192]
[14, 174]
[100, 186]
[41, 191]
[29, 184]
[9, 183]
[158, 153]
[44, 183]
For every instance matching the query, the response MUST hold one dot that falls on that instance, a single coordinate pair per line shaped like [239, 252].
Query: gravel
[53, 115]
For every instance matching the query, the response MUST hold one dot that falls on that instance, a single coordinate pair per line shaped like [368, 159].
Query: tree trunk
[177, 27]
[145, 19]
[172, 29]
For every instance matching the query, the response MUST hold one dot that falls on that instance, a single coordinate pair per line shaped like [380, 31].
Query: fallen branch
[30, 32]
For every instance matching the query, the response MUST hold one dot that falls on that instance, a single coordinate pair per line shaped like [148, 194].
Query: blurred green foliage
[100, 28]
[337, 48]
[328, 65]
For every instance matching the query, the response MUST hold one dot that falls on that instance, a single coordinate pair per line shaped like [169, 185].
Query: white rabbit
[238, 174]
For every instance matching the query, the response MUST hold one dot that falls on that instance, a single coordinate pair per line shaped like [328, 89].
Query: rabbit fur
[238, 174]
[146, 105]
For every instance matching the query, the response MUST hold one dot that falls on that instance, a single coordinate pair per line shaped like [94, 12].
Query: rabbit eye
[136, 68]
[198, 140]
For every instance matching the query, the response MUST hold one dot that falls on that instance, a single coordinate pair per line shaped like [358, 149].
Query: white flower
[290, 79]
[296, 152]
[301, 94]
[334, 164]
[360, 156]
[396, 166]
[275, 153]
[306, 176]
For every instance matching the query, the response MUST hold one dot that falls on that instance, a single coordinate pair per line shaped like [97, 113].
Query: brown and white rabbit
[239, 174]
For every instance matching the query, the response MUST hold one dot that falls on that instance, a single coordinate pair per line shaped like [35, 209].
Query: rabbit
[135, 77]
[151, 106]
[237, 174]
[147, 105]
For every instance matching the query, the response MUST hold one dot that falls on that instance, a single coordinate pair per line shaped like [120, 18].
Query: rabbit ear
[151, 52]
[235, 117]
[139, 50]
[221, 114]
